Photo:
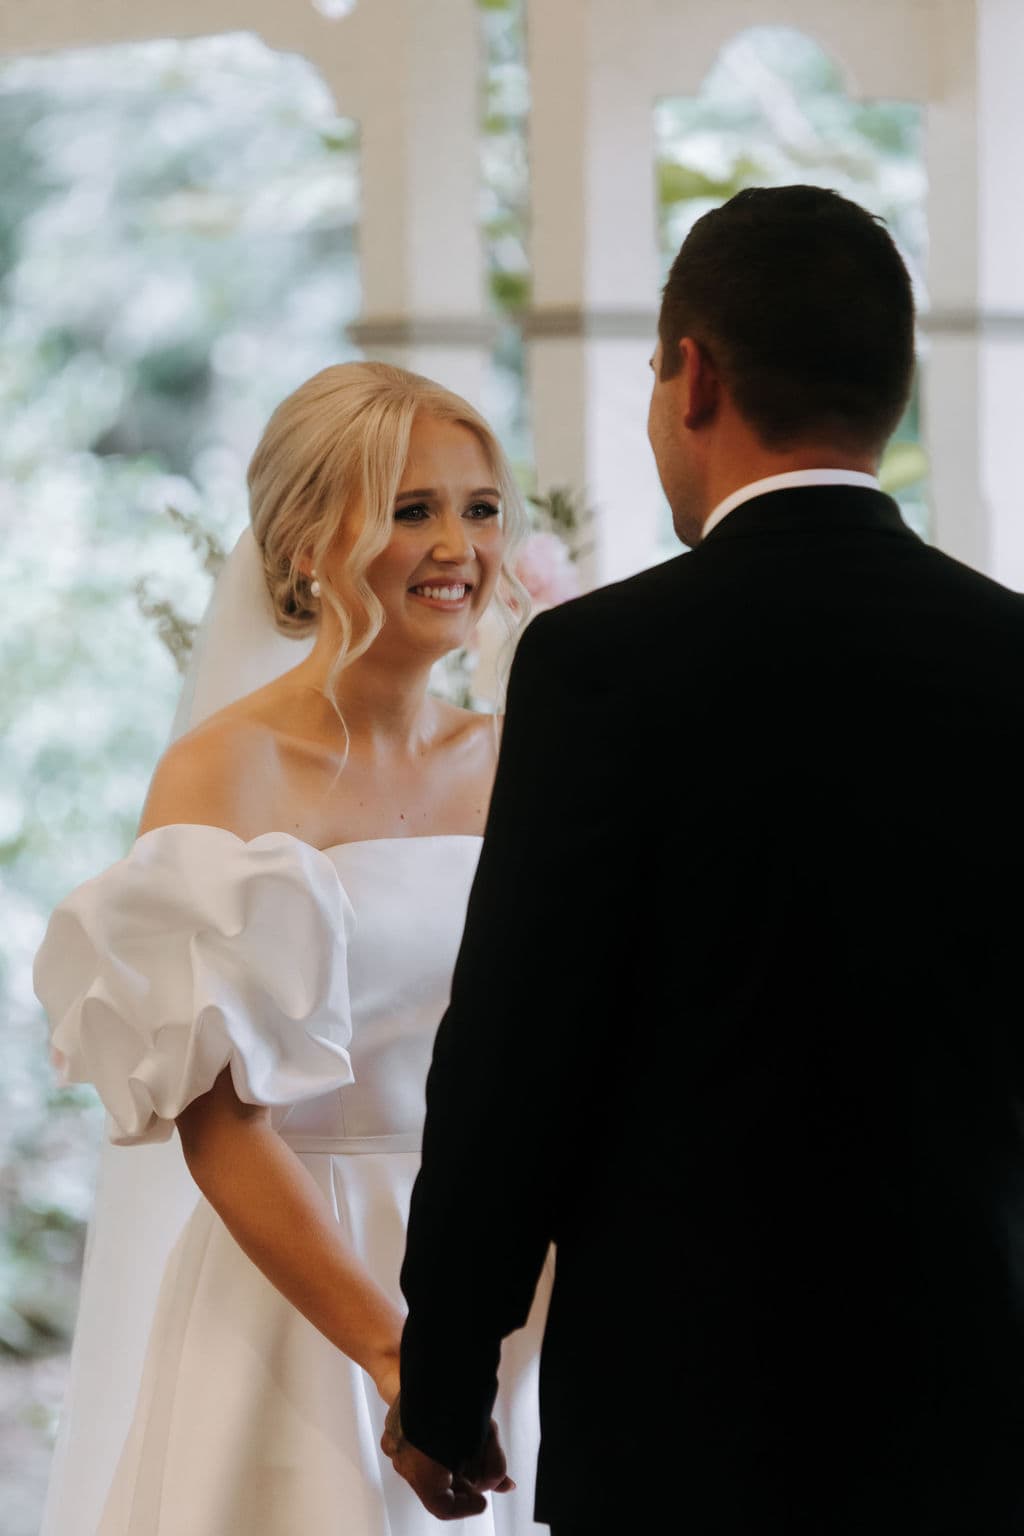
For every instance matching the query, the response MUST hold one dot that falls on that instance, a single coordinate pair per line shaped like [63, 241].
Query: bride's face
[438, 573]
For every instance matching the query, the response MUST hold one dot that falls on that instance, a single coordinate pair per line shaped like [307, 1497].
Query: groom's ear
[699, 382]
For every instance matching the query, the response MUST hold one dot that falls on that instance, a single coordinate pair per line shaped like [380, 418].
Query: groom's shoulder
[643, 595]
[976, 585]
[980, 607]
[597, 637]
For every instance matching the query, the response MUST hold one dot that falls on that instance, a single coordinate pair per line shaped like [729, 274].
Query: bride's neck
[385, 707]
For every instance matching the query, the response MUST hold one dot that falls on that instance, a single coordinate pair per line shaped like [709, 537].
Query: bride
[264, 971]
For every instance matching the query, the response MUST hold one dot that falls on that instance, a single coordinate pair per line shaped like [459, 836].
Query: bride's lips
[446, 605]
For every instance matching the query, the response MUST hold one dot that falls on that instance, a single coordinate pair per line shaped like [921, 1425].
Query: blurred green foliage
[504, 191]
[177, 251]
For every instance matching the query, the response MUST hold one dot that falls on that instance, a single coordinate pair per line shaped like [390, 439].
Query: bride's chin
[431, 647]
[439, 631]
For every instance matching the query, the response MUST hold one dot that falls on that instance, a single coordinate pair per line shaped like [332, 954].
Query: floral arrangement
[546, 568]
[177, 632]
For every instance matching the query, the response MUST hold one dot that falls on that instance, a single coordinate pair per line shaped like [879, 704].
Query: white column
[1001, 283]
[417, 101]
[950, 333]
[595, 276]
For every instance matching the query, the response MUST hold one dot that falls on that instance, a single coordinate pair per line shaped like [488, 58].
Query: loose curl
[341, 438]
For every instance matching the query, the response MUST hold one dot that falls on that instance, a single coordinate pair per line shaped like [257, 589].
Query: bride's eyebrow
[428, 491]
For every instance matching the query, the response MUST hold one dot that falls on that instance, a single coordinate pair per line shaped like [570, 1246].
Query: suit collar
[785, 481]
[810, 510]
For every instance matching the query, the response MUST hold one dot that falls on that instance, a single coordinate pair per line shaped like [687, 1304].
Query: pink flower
[545, 568]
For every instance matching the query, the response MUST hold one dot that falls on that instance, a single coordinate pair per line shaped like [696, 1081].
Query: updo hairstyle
[341, 438]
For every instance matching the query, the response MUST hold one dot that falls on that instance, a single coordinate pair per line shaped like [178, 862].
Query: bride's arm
[265, 1196]
[275, 1211]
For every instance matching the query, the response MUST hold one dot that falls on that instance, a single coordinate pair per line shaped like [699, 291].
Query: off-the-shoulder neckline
[363, 842]
[424, 837]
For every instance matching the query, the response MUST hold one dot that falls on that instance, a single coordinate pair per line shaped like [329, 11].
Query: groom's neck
[740, 459]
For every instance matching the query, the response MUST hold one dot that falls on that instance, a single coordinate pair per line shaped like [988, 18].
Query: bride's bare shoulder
[469, 724]
[220, 775]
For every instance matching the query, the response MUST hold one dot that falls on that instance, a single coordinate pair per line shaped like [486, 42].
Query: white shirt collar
[793, 477]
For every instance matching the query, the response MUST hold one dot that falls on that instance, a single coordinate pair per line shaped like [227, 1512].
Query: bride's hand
[386, 1378]
[448, 1495]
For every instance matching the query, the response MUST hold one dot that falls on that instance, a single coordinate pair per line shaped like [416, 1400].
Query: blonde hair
[343, 438]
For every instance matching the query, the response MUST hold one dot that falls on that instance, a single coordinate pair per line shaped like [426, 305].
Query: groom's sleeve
[532, 999]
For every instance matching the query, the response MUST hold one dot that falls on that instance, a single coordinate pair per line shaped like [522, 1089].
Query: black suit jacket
[737, 1024]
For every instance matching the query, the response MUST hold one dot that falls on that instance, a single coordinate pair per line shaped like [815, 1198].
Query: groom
[737, 1022]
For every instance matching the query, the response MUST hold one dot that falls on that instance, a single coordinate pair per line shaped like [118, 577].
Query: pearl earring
[314, 586]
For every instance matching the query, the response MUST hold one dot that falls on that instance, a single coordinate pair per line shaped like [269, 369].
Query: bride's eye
[481, 510]
[413, 514]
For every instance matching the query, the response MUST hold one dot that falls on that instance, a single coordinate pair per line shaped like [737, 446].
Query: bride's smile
[449, 595]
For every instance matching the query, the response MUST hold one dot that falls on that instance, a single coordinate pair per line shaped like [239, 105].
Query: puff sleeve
[196, 952]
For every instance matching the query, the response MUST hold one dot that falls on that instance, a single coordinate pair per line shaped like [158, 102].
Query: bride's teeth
[442, 594]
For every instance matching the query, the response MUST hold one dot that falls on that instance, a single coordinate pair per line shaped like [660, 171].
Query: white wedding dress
[320, 978]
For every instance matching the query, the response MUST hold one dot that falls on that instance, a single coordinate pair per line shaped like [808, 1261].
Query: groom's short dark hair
[804, 303]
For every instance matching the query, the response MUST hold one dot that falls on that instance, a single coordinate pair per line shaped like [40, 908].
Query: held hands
[448, 1495]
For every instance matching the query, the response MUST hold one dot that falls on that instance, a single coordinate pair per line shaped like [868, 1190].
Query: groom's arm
[532, 997]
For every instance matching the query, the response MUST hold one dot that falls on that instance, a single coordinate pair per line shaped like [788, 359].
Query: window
[773, 110]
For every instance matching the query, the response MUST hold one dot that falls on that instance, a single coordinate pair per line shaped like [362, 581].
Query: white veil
[144, 1195]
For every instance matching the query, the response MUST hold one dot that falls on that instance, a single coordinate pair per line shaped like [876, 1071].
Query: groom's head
[785, 340]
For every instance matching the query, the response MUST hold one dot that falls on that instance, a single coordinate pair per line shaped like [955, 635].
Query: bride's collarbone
[327, 800]
[254, 775]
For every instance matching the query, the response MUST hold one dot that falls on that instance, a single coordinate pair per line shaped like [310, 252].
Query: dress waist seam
[349, 1146]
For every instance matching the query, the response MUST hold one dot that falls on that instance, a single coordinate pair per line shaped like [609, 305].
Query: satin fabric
[318, 977]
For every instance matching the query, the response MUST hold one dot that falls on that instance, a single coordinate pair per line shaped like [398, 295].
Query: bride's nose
[453, 542]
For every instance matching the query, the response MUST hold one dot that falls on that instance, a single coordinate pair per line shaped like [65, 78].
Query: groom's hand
[448, 1495]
